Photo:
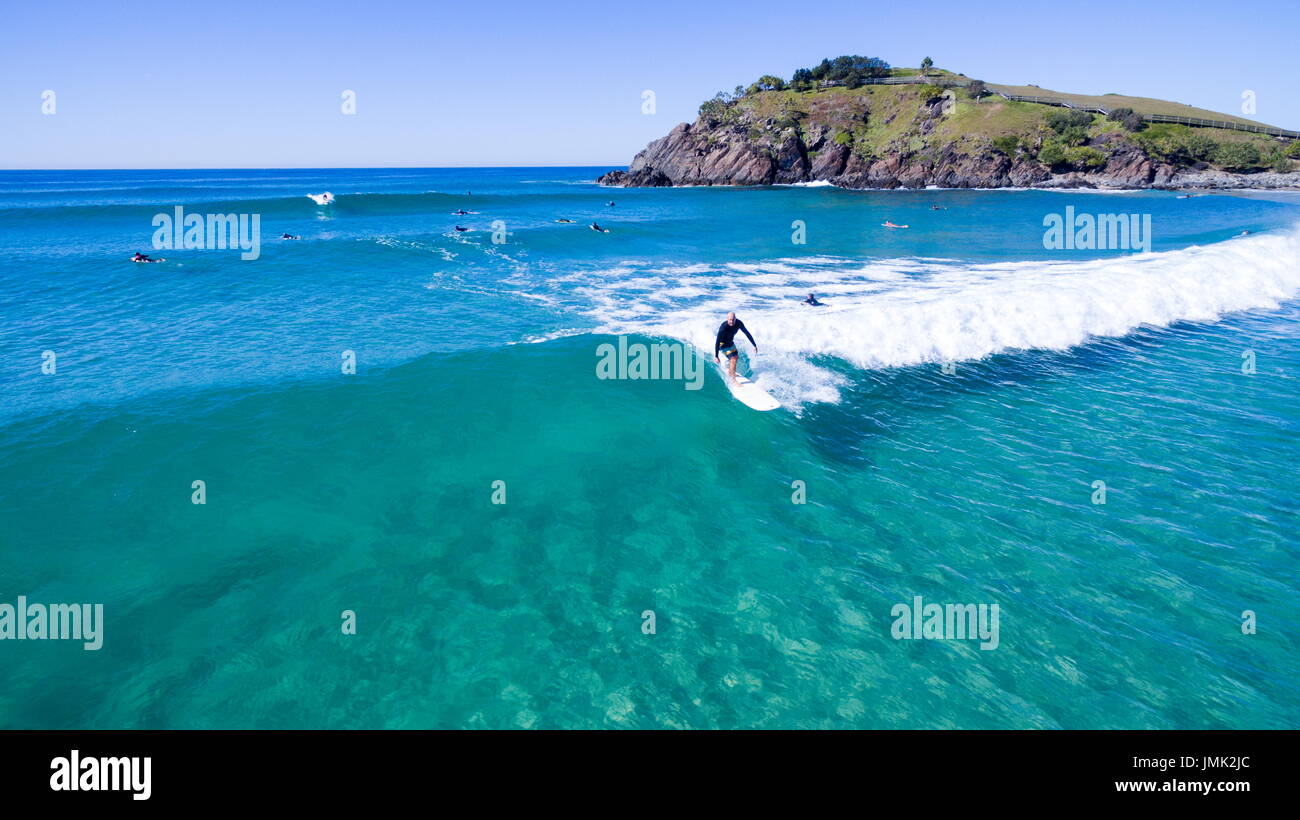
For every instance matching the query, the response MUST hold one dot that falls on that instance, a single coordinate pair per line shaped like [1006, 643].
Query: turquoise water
[476, 362]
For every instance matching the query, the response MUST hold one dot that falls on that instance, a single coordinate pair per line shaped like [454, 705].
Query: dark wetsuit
[726, 338]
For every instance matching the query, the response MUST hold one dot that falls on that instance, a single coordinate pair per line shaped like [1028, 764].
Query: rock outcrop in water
[902, 136]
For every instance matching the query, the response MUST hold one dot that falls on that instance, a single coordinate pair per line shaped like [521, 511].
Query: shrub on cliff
[977, 89]
[1058, 156]
[1083, 158]
[1059, 121]
[1074, 135]
[1237, 156]
[1277, 160]
[1293, 149]
[1071, 126]
[1128, 118]
[787, 117]
[1177, 145]
[1199, 146]
[1008, 145]
[863, 150]
[1052, 154]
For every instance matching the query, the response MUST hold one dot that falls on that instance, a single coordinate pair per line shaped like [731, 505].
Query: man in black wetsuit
[726, 342]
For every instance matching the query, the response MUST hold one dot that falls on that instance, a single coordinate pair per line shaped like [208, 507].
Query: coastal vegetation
[849, 71]
[873, 120]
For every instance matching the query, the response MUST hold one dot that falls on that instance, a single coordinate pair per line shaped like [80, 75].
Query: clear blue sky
[234, 84]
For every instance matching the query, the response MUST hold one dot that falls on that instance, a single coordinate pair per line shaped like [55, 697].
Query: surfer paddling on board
[726, 343]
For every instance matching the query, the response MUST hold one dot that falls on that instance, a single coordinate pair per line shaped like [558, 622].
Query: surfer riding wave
[726, 343]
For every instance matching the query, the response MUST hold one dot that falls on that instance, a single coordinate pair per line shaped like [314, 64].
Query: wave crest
[902, 312]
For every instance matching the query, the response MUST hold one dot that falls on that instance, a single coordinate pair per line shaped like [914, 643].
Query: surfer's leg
[731, 363]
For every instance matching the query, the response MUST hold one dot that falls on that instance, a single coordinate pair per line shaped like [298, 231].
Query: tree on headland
[926, 65]
[715, 109]
[766, 83]
[848, 70]
[977, 88]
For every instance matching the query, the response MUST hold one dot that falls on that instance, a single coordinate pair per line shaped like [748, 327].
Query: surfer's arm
[745, 330]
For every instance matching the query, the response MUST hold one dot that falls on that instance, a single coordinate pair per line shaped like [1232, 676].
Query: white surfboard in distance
[749, 394]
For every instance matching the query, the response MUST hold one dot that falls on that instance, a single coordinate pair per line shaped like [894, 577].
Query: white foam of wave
[1093, 190]
[394, 242]
[902, 312]
[539, 338]
[813, 260]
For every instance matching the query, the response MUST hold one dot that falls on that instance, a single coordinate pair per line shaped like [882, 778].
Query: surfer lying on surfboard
[888, 224]
[726, 342]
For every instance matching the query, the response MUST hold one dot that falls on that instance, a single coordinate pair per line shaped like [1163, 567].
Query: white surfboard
[749, 394]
